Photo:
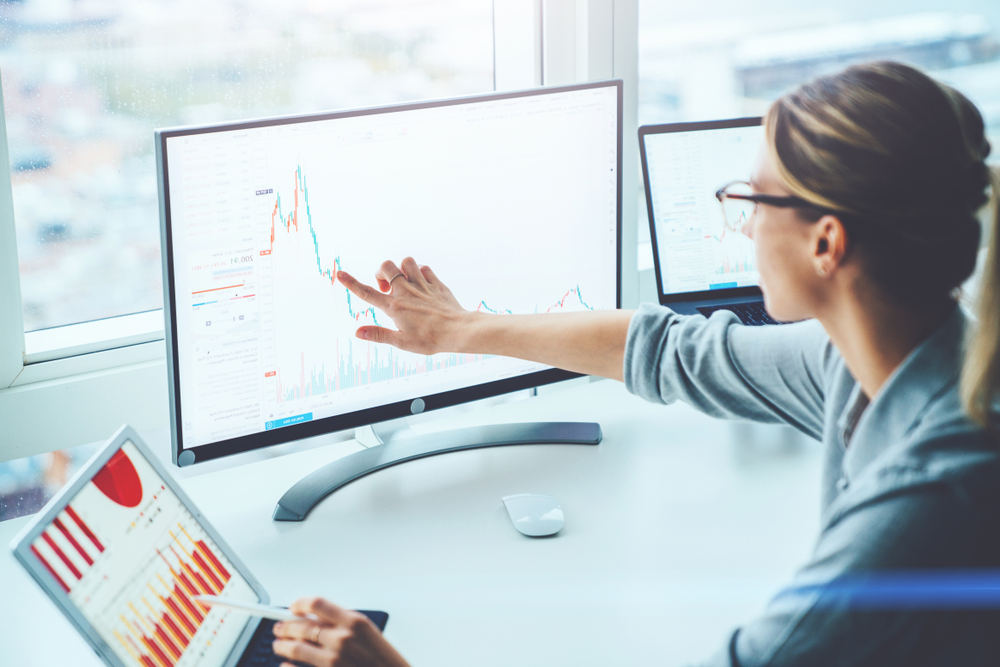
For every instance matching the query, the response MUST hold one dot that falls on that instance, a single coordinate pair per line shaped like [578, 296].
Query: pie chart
[119, 481]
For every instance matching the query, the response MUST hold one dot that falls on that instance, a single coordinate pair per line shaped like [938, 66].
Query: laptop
[703, 262]
[122, 550]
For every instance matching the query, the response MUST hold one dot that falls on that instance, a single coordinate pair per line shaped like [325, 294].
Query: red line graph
[216, 289]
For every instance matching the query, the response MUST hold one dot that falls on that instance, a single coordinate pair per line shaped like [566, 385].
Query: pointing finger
[364, 292]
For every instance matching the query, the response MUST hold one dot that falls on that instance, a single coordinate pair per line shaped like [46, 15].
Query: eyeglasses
[739, 203]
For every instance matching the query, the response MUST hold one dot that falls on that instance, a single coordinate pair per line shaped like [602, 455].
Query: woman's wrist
[467, 332]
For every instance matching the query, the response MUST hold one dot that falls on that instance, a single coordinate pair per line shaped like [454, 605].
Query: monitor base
[299, 500]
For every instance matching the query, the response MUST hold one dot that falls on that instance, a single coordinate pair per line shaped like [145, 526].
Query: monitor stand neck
[383, 433]
[394, 442]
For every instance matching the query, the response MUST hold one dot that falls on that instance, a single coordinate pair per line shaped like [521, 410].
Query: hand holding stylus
[339, 638]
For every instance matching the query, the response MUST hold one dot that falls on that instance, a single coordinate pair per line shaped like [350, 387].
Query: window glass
[85, 82]
[27, 484]
[726, 58]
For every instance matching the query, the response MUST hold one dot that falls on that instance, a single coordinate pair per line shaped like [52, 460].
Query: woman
[866, 194]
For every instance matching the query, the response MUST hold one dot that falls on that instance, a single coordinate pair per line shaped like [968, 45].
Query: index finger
[364, 292]
[323, 609]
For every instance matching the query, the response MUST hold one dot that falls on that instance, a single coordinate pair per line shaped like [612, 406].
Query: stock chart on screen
[699, 249]
[131, 558]
[512, 202]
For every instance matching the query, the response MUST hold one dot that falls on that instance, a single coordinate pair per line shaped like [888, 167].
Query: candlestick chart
[314, 347]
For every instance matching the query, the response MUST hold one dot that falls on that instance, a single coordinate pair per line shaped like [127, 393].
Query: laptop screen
[130, 556]
[696, 248]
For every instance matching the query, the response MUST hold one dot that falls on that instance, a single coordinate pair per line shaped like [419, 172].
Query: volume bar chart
[157, 627]
[374, 365]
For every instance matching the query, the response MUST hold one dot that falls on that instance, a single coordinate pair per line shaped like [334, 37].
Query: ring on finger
[396, 276]
[315, 634]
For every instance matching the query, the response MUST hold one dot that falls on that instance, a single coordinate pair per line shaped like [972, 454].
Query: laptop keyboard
[752, 313]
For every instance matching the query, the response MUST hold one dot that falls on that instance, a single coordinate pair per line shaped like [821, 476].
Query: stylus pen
[252, 608]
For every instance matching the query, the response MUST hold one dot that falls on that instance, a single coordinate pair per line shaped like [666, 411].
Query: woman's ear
[830, 244]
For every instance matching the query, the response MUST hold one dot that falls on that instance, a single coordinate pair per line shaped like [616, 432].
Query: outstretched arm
[429, 320]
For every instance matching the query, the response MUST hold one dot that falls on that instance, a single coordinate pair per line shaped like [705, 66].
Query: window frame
[78, 383]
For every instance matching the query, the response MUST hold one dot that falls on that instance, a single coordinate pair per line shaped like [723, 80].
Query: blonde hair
[981, 370]
[901, 159]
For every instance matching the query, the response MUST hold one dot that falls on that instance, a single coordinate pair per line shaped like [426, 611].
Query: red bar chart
[157, 627]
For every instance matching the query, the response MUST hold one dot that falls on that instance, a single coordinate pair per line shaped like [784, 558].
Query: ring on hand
[396, 276]
[315, 634]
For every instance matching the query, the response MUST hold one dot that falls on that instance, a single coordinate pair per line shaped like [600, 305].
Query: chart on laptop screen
[697, 249]
[512, 202]
[130, 556]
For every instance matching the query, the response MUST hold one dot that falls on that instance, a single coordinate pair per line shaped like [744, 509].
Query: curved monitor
[513, 199]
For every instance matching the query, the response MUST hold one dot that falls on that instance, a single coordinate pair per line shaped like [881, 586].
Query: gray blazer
[910, 526]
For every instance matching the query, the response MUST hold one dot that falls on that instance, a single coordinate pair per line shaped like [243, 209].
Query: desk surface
[678, 527]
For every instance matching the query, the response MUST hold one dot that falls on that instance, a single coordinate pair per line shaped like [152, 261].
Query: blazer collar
[931, 370]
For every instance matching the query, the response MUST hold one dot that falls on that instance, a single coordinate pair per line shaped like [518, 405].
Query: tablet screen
[130, 556]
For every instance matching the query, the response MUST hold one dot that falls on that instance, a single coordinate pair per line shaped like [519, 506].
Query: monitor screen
[697, 248]
[130, 557]
[512, 199]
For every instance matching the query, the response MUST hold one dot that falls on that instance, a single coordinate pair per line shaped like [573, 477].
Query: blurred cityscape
[85, 82]
[731, 58]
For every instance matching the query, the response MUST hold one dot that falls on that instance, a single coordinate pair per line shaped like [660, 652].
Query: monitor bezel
[21, 546]
[668, 128]
[397, 409]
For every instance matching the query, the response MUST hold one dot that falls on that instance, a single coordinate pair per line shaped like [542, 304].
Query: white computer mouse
[534, 514]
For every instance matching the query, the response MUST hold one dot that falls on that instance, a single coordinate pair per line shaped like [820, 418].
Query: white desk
[675, 533]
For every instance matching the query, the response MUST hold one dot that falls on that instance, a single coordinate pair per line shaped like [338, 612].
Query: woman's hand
[430, 320]
[428, 316]
[338, 638]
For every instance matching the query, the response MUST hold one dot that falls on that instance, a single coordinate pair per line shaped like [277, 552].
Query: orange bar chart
[157, 628]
